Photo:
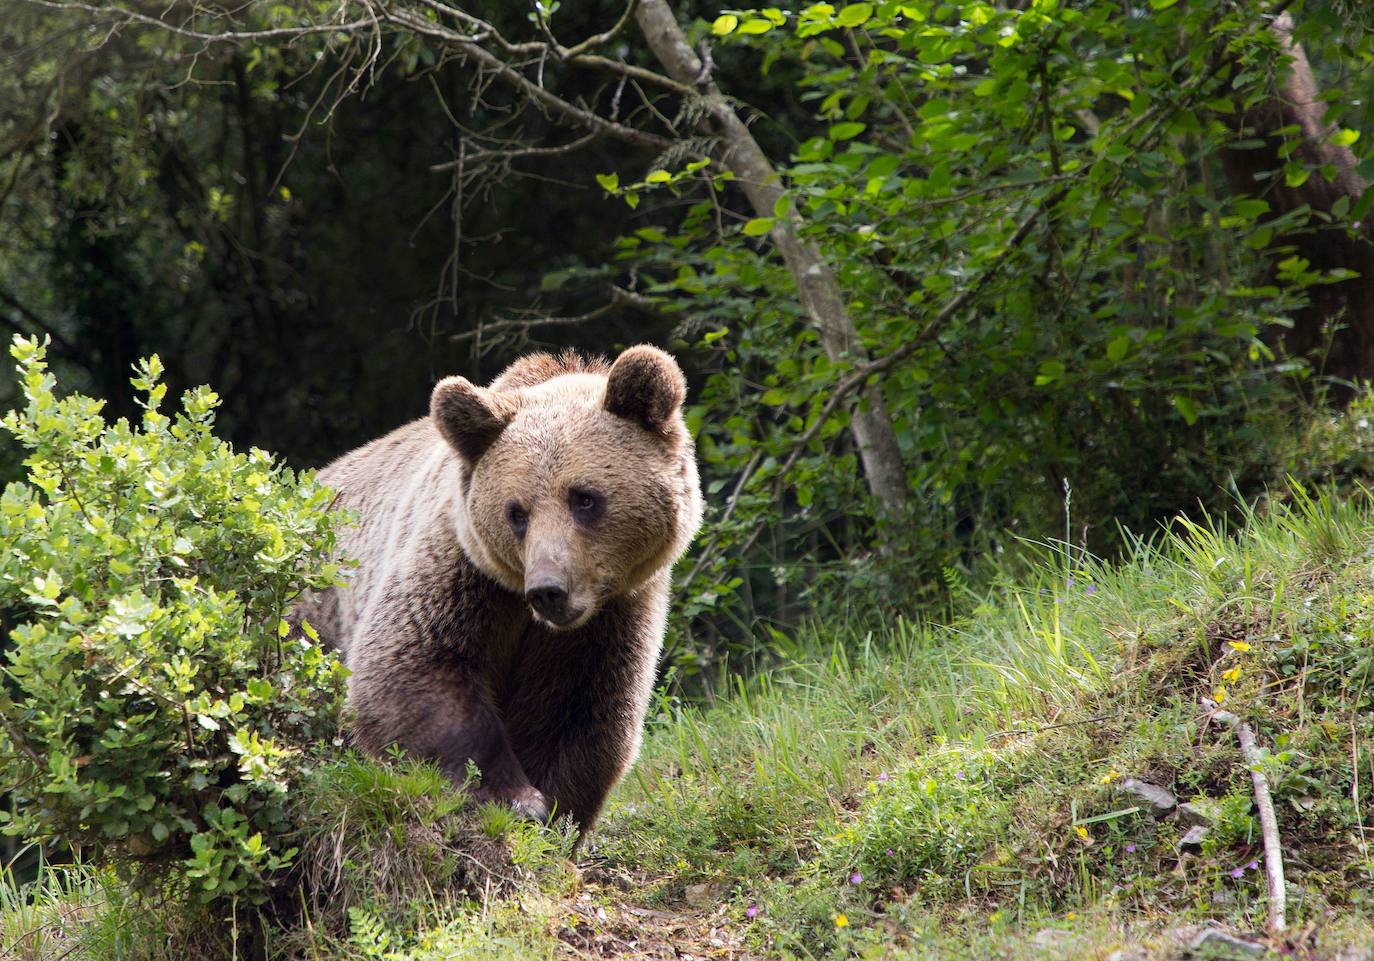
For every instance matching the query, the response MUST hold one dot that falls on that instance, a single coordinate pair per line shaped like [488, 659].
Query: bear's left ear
[646, 385]
[469, 417]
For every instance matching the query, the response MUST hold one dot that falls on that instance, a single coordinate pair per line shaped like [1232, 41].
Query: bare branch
[19, 307]
[480, 154]
[619, 298]
[1269, 825]
[568, 111]
[221, 36]
[605, 37]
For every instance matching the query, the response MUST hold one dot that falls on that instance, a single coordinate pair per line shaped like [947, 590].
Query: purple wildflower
[856, 878]
[1130, 848]
[1090, 589]
[1253, 865]
[1238, 873]
[883, 777]
[891, 853]
[960, 775]
[752, 911]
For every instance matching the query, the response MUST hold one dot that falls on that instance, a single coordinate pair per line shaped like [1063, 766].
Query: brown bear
[513, 553]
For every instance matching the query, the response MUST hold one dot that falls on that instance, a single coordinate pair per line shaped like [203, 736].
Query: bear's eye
[586, 505]
[518, 517]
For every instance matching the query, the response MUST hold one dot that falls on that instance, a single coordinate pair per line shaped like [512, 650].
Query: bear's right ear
[646, 385]
[469, 417]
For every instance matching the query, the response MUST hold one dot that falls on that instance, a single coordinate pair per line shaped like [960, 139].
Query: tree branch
[619, 298]
[222, 36]
[506, 72]
[35, 321]
[480, 154]
[1269, 825]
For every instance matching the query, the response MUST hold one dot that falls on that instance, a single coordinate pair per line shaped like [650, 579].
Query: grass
[949, 791]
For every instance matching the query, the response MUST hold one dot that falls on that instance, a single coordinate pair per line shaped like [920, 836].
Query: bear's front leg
[578, 702]
[436, 706]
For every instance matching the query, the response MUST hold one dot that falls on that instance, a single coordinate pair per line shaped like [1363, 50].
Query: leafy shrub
[1336, 446]
[928, 823]
[156, 712]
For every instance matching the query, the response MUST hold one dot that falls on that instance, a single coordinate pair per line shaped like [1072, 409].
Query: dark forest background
[1101, 263]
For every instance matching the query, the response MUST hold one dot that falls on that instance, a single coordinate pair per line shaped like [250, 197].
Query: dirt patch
[598, 925]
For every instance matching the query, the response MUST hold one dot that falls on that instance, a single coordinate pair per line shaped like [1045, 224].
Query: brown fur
[448, 658]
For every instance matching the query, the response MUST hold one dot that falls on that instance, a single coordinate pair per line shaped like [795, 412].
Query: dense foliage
[1027, 210]
[156, 711]
[1073, 239]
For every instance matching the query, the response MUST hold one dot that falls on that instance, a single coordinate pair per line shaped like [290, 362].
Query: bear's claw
[532, 803]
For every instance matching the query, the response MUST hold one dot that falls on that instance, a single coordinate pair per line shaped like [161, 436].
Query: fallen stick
[1269, 825]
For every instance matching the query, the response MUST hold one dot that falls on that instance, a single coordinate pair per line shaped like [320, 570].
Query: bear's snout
[548, 595]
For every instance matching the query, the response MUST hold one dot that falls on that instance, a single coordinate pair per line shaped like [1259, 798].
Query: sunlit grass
[803, 780]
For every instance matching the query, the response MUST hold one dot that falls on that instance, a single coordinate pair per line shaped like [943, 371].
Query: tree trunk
[1351, 302]
[817, 288]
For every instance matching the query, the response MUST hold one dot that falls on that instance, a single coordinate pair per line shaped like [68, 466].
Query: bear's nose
[550, 599]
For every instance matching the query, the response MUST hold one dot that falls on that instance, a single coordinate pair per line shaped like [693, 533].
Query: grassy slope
[916, 794]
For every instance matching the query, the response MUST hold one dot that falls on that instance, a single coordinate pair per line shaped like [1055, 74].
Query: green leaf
[758, 226]
[847, 131]
[658, 177]
[1186, 407]
[755, 26]
[1101, 213]
[1050, 371]
[724, 24]
[855, 15]
[1118, 348]
[609, 182]
[1162, 4]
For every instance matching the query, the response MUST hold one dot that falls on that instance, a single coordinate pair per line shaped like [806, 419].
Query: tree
[1295, 156]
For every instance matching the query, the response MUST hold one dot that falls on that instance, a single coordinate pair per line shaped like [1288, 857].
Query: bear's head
[579, 480]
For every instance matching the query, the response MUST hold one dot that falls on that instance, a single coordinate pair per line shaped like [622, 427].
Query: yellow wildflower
[1219, 694]
[1241, 646]
[841, 921]
[1109, 777]
[1232, 675]
[1083, 834]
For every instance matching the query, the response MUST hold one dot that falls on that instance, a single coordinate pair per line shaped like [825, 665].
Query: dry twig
[1269, 825]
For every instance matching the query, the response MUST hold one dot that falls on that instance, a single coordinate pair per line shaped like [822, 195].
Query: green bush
[156, 712]
[927, 823]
